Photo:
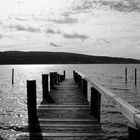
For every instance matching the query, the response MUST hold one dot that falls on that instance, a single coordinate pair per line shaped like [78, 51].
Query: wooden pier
[67, 117]
[68, 112]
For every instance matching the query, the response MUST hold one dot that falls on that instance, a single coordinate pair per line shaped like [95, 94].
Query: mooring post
[55, 77]
[126, 75]
[64, 73]
[45, 88]
[133, 133]
[51, 80]
[135, 76]
[79, 80]
[31, 103]
[74, 75]
[95, 103]
[84, 87]
[58, 78]
[12, 76]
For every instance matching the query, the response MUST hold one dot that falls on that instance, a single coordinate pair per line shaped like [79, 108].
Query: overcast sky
[95, 27]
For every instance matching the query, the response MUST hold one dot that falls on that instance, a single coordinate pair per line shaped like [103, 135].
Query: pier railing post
[58, 78]
[31, 103]
[133, 133]
[55, 77]
[84, 87]
[95, 103]
[64, 73]
[51, 80]
[45, 86]
[79, 80]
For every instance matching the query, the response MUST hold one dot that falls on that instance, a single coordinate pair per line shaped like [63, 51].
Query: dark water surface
[13, 99]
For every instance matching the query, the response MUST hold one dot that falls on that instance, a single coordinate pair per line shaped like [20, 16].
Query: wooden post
[126, 75]
[45, 86]
[64, 74]
[31, 103]
[12, 76]
[51, 80]
[55, 77]
[58, 78]
[95, 103]
[135, 76]
[84, 87]
[74, 75]
[79, 81]
[133, 133]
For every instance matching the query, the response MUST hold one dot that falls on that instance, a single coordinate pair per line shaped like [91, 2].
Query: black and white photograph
[69, 69]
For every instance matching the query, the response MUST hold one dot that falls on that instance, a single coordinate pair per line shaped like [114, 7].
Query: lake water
[13, 99]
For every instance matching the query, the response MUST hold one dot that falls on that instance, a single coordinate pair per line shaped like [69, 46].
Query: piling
[84, 87]
[133, 132]
[95, 103]
[64, 73]
[126, 75]
[31, 103]
[12, 76]
[45, 87]
[51, 80]
[135, 76]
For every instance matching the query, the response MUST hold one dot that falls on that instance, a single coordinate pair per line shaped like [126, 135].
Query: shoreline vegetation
[19, 57]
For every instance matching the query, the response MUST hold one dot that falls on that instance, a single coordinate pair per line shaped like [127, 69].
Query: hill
[15, 57]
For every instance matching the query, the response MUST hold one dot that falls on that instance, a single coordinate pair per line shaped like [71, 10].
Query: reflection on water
[13, 101]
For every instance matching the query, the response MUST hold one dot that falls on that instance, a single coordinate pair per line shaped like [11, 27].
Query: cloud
[23, 28]
[118, 5]
[20, 19]
[75, 36]
[50, 31]
[66, 20]
[122, 6]
[54, 45]
[2, 36]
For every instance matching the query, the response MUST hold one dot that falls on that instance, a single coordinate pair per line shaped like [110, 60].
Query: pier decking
[68, 117]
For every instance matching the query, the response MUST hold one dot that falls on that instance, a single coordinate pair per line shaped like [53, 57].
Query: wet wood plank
[67, 118]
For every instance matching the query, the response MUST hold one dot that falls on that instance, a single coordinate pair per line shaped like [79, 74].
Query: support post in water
[45, 86]
[84, 87]
[135, 76]
[31, 103]
[51, 80]
[12, 76]
[95, 103]
[64, 74]
[133, 133]
[126, 75]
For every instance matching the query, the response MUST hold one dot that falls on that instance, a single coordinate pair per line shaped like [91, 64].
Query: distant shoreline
[18, 58]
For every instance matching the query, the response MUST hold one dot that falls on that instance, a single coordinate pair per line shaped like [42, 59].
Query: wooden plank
[130, 112]
[62, 134]
[67, 118]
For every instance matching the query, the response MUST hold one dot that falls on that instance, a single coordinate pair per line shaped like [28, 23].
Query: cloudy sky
[95, 27]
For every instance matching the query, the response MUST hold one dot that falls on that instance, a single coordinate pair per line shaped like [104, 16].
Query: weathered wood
[45, 89]
[67, 118]
[95, 103]
[55, 77]
[135, 76]
[130, 112]
[31, 102]
[84, 87]
[133, 132]
[64, 73]
[126, 75]
[58, 78]
[51, 80]
[12, 76]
